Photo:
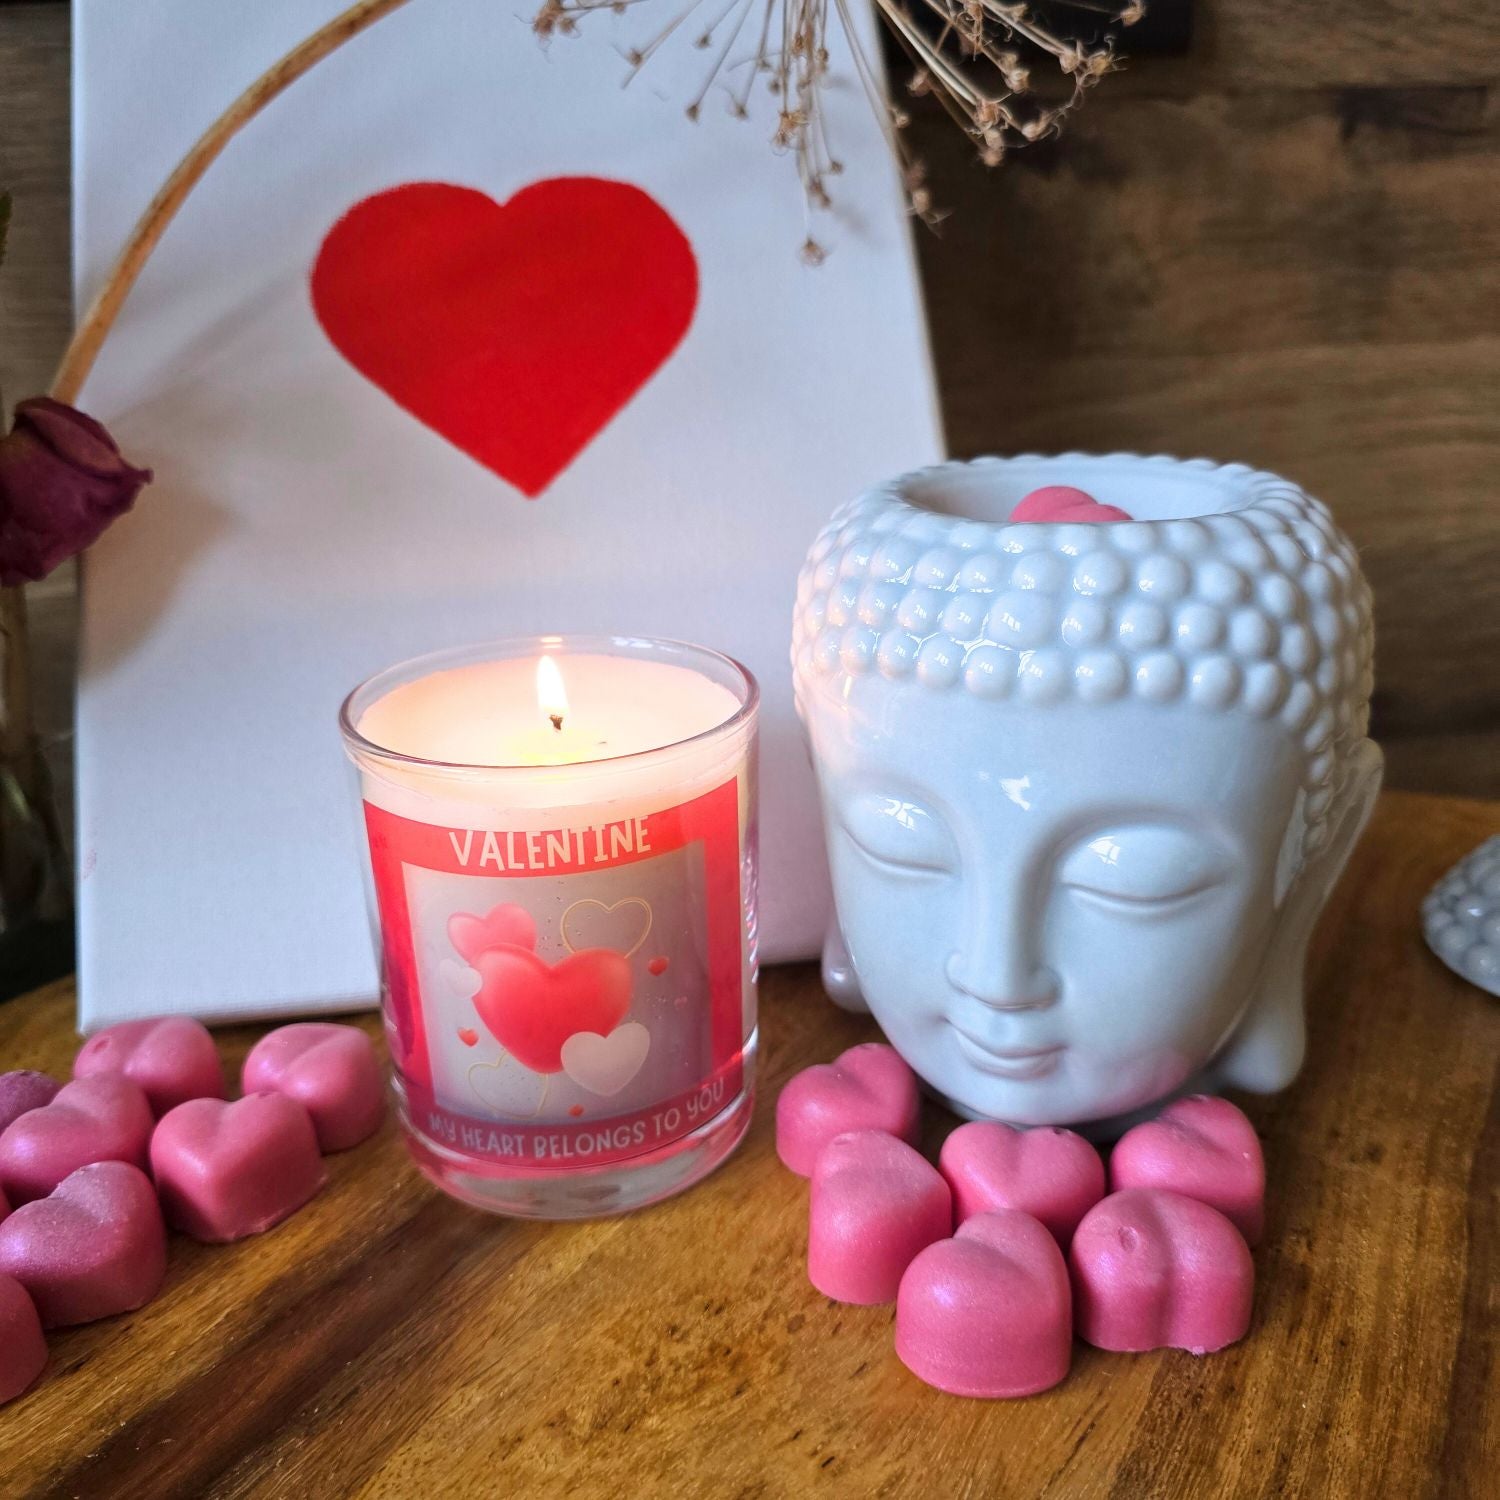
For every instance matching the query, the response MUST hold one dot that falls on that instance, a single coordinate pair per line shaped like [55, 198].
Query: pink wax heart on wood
[506, 925]
[1203, 1148]
[1053, 1174]
[228, 1170]
[532, 1007]
[24, 1090]
[875, 1203]
[1154, 1270]
[94, 1248]
[106, 1118]
[869, 1087]
[1061, 502]
[331, 1070]
[988, 1312]
[23, 1346]
[172, 1058]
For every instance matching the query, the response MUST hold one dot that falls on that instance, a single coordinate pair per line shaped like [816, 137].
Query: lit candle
[561, 837]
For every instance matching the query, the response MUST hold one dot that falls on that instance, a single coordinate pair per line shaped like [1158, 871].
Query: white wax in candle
[487, 714]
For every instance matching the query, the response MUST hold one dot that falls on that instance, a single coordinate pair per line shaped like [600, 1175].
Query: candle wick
[556, 721]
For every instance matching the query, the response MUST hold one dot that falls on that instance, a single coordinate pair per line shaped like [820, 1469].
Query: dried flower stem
[78, 359]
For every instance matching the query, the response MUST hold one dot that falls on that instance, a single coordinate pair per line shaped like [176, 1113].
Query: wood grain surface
[1283, 247]
[386, 1341]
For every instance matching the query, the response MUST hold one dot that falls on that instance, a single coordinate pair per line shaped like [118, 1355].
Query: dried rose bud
[62, 481]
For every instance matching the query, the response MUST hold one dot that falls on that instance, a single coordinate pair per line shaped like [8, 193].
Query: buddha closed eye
[1086, 786]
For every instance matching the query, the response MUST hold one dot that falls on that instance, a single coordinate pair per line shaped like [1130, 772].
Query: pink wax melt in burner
[1061, 502]
[561, 835]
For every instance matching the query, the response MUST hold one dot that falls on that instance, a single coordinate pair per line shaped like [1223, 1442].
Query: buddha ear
[1265, 1053]
[839, 978]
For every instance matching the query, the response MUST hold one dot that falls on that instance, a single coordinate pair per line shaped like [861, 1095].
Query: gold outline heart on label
[640, 901]
[495, 1067]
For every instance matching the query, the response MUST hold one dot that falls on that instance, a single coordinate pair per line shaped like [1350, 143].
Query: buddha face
[1088, 780]
[1056, 913]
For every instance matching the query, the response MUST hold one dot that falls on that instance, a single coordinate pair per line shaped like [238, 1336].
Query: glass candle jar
[562, 846]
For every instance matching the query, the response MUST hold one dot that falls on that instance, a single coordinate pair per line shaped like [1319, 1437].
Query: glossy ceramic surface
[1086, 787]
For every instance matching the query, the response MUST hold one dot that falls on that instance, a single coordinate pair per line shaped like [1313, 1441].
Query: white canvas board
[305, 531]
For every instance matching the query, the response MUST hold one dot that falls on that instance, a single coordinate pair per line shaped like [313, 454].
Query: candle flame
[551, 695]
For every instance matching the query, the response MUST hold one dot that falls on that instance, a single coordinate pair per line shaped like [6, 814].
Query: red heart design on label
[468, 1036]
[506, 925]
[515, 330]
[532, 1007]
[657, 967]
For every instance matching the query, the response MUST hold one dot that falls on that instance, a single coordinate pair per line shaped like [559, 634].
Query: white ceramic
[1461, 917]
[1086, 787]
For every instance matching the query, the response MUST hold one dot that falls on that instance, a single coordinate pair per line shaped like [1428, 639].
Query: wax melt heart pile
[1017, 1239]
[82, 1225]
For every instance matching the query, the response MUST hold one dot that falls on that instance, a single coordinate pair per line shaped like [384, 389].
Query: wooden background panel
[1283, 247]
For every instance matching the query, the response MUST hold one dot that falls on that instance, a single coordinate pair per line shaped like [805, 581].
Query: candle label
[567, 995]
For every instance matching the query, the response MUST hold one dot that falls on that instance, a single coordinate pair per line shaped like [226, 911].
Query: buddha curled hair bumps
[1261, 610]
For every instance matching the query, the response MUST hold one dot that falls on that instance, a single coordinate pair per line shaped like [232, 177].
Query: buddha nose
[999, 968]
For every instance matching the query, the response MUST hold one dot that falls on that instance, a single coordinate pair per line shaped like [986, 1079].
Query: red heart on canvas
[515, 330]
[468, 1036]
[95, 1248]
[506, 925]
[532, 1007]
[657, 967]
[1061, 502]
[1050, 1173]
[1155, 1270]
[91, 1119]
[1203, 1148]
[869, 1087]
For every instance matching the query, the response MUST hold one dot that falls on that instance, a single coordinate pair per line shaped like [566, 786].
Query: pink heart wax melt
[92, 1119]
[875, 1203]
[22, 1091]
[173, 1058]
[225, 1171]
[1155, 1270]
[989, 1312]
[330, 1070]
[1201, 1147]
[95, 1248]
[23, 1346]
[1061, 502]
[1053, 1174]
[869, 1087]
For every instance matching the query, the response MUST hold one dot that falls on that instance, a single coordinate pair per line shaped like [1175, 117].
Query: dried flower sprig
[978, 58]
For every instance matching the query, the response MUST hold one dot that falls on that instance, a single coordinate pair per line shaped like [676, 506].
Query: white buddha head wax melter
[1086, 786]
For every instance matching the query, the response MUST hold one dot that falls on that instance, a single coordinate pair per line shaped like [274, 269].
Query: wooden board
[386, 1341]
